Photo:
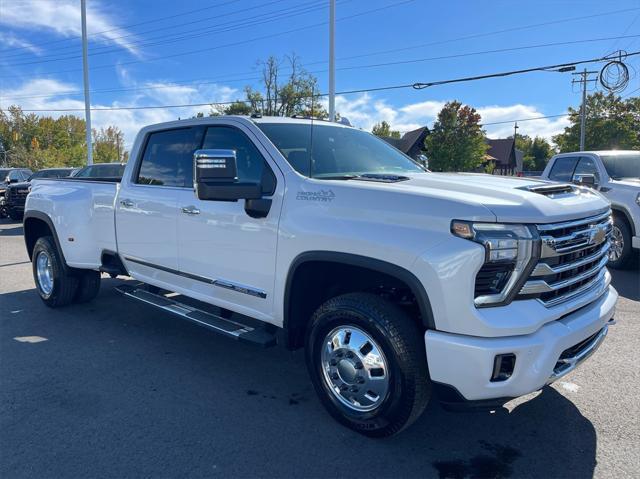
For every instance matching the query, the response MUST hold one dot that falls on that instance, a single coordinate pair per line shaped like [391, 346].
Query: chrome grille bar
[574, 223]
[567, 249]
[543, 269]
[541, 286]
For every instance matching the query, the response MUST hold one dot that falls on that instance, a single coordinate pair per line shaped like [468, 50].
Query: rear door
[147, 209]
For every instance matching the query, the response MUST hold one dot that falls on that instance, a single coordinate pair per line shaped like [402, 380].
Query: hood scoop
[552, 190]
[382, 177]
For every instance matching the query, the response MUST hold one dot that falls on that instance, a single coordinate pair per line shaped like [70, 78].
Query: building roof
[503, 150]
[410, 141]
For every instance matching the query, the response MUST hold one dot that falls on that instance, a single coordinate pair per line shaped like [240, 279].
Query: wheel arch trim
[622, 210]
[38, 215]
[365, 262]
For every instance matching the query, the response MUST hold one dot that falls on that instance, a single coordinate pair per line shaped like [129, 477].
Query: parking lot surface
[116, 389]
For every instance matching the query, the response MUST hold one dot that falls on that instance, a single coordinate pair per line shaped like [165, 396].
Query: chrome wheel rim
[355, 369]
[44, 272]
[617, 244]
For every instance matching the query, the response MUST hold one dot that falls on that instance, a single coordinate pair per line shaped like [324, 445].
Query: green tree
[42, 141]
[295, 93]
[456, 141]
[108, 145]
[611, 123]
[536, 152]
[383, 130]
[235, 108]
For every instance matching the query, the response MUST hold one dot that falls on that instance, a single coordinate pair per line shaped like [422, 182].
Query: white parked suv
[399, 283]
[616, 174]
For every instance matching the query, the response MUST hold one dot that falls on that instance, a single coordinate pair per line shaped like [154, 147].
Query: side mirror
[585, 180]
[216, 177]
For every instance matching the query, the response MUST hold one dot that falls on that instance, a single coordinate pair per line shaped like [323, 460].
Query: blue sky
[139, 52]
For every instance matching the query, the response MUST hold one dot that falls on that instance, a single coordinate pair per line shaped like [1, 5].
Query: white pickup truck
[398, 282]
[616, 174]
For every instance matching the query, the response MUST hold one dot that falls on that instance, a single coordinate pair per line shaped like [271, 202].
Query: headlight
[510, 252]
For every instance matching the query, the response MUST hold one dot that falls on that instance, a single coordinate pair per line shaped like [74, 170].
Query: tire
[621, 255]
[88, 286]
[400, 344]
[57, 285]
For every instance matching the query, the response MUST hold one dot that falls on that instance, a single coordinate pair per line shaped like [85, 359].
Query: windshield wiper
[336, 177]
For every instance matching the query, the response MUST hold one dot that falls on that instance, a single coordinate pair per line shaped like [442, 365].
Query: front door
[229, 255]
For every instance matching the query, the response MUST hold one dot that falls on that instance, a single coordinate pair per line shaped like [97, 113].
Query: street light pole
[332, 60]
[85, 74]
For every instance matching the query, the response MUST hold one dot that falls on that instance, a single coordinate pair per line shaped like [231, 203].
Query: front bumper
[465, 363]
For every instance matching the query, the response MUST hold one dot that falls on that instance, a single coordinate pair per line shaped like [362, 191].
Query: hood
[510, 199]
[22, 184]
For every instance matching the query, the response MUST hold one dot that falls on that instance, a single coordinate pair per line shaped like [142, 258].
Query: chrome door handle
[126, 203]
[190, 210]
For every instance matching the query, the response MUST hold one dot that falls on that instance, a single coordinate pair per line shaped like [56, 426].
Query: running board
[218, 324]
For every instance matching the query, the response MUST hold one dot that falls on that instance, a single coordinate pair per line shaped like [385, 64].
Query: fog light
[503, 366]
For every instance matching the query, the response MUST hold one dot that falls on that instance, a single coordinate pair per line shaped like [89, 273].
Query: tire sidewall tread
[403, 346]
[65, 284]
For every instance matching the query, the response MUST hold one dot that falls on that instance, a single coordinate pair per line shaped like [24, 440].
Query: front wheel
[367, 362]
[620, 252]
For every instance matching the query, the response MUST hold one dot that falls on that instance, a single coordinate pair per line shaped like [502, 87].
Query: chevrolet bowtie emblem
[598, 235]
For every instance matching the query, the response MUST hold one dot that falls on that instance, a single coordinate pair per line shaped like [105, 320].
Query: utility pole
[515, 138]
[584, 80]
[85, 74]
[332, 60]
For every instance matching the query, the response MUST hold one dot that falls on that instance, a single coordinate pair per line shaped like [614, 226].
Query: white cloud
[46, 94]
[63, 18]
[9, 40]
[364, 112]
[546, 127]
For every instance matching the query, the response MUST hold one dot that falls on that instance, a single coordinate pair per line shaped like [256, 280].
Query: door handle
[190, 210]
[126, 203]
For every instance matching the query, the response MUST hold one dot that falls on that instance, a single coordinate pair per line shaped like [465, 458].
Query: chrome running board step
[211, 321]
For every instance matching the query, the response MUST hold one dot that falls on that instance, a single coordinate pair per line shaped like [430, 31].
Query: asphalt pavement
[116, 389]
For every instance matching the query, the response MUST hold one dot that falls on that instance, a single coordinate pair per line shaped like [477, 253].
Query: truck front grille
[17, 195]
[573, 260]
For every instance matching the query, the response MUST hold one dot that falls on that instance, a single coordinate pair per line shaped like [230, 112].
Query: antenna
[311, 133]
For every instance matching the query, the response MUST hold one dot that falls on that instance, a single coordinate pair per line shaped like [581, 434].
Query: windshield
[101, 171]
[49, 174]
[622, 166]
[332, 151]
[3, 174]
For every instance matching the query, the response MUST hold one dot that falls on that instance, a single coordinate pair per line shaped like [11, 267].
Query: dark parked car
[103, 171]
[7, 177]
[16, 193]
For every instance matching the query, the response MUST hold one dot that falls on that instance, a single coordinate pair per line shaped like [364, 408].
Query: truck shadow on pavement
[119, 389]
[12, 231]
[626, 282]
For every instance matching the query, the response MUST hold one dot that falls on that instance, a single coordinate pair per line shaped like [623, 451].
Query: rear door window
[168, 157]
[563, 168]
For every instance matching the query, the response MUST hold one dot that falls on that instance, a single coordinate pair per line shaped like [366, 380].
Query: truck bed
[82, 211]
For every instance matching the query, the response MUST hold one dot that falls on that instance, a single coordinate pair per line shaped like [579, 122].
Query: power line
[374, 65]
[415, 85]
[241, 42]
[362, 55]
[159, 19]
[208, 30]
